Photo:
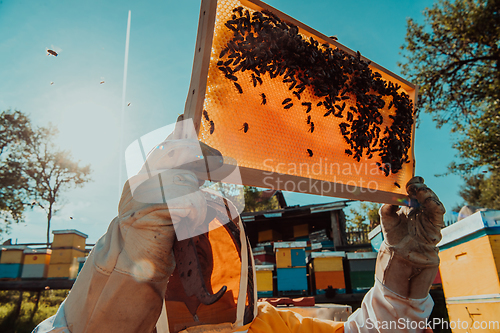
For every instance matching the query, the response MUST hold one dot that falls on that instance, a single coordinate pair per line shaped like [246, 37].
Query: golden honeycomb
[261, 134]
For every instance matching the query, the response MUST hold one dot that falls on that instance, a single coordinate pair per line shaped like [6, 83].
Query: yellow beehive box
[12, 254]
[269, 236]
[300, 230]
[37, 256]
[69, 238]
[264, 275]
[327, 261]
[481, 315]
[69, 271]
[470, 256]
[65, 256]
[283, 258]
[470, 267]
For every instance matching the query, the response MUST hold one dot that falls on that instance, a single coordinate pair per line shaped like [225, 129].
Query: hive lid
[264, 267]
[37, 251]
[13, 247]
[361, 255]
[327, 254]
[69, 231]
[283, 245]
[487, 222]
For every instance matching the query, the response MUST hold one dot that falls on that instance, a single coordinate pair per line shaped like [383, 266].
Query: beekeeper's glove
[408, 259]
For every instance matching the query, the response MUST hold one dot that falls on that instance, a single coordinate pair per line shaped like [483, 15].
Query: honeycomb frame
[275, 146]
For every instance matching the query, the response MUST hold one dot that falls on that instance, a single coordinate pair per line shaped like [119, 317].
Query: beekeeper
[131, 282]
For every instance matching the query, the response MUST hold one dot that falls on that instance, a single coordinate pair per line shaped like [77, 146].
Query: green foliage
[482, 191]
[365, 215]
[15, 134]
[254, 200]
[26, 320]
[454, 58]
[33, 171]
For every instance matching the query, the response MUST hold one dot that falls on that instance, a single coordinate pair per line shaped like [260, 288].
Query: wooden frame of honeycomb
[297, 110]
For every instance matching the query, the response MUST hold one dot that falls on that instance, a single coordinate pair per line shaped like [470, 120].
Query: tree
[455, 59]
[51, 172]
[33, 171]
[255, 200]
[15, 134]
[356, 223]
[482, 191]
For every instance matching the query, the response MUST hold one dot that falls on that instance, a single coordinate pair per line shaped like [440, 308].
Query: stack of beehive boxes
[36, 263]
[68, 245]
[470, 270]
[11, 261]
[291, 271]
[362, 270]
[327, 270]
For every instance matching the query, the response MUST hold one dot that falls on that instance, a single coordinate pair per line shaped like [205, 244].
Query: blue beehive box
[10, 271]
[292, 280]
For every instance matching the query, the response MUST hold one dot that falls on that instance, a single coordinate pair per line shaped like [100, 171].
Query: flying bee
[244, 128]
[311, 129]
[264, 100]
[237, 85]
[287, 100]
[205, 115]
[212, 127]
[310, 152]
[308, 104]
[51, 52]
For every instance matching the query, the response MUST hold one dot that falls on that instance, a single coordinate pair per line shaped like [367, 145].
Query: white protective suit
[123, 283]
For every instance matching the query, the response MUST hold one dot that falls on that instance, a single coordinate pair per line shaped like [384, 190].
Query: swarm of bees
[264, 44]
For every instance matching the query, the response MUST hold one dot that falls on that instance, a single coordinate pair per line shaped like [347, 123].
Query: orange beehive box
[295, 109]
[331, 278]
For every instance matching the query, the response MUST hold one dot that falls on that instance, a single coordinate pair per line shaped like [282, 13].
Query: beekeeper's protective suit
[124, 285]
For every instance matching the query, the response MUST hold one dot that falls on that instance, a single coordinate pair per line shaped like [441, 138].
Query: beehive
[362, 270]
[65, 256]
[69, 238]
[270, 120]
[36, 263]
[11, 261]
[264, 274]
[290, 254]
[292, 281]
[327, 270]
[470, 268]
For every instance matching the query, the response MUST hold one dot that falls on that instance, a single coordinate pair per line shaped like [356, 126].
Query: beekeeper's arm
[122, 285]
[407, 264]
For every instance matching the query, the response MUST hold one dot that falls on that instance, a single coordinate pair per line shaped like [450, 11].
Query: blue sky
[90, 38]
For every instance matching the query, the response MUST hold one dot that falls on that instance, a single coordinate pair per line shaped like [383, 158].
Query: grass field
[23, 320]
